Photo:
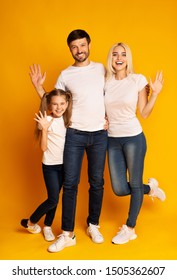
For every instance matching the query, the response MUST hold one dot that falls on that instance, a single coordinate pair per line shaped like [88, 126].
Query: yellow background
[35, 32]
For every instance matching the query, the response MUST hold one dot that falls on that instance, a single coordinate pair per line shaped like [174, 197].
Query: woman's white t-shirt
[55, 142]
[121, 97]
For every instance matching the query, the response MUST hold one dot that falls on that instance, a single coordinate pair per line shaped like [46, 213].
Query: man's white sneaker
[48, 234]
[124, 235]
[62, 242]
[155, 190]
[32, 229]
[94, 233]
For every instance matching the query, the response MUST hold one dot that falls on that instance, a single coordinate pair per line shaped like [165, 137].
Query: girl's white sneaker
[48, 234]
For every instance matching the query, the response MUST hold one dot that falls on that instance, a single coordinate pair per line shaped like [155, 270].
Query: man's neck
[81, 64]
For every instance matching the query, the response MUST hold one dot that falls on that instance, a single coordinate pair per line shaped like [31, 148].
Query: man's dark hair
[78, 34]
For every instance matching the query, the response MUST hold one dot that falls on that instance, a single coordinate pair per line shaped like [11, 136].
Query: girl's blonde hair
[110, 70]
[45, 107]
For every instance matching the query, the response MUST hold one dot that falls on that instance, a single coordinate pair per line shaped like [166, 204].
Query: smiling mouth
[119, 63]
[80, 54]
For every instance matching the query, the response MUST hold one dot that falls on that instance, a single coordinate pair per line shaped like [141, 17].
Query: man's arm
[37, 79]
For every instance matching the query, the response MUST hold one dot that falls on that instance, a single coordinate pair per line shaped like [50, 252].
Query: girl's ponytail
[43, 107]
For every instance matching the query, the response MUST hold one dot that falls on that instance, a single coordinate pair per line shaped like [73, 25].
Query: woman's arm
[146, 105]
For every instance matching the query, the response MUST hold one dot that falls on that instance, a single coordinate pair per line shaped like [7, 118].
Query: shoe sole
[69, 245]
[132, 238]
[49, 240]
[156, 183]
[164, 195]
[33, 232]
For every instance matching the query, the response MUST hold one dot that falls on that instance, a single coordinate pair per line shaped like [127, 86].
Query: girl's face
[119, 59]
[58, 106]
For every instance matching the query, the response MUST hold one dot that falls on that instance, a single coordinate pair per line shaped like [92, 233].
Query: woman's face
[58, 106]
[119, 59]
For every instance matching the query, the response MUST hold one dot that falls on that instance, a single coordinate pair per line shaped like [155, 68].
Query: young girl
[51, 131]
[124, 92]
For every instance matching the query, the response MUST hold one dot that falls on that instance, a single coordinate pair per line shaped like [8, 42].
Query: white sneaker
[32, 229]
[48, 234]
[63, 241]
[155, 190]
[124, 235]
[94, 233]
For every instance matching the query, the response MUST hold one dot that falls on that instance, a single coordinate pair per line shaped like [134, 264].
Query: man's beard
[81, 59]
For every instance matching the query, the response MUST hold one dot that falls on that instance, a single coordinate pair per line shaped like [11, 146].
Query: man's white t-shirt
[55, 142]
[86, 84]
[121, 97]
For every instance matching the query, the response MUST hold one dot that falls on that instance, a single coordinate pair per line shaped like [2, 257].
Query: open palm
[157, 85]
[37, 77]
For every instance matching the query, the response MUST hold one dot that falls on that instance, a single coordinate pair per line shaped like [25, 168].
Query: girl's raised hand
[43, 123]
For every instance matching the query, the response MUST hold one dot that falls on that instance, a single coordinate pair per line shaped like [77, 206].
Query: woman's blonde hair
[110, 70]
[45, 107]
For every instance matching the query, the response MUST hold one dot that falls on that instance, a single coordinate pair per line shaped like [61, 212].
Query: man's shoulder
[99, 64]
[99, 67]
[66, 69]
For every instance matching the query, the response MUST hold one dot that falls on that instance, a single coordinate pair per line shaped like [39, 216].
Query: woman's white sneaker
[62, 242]
[155, 190]
[124, 235]
[48, 234]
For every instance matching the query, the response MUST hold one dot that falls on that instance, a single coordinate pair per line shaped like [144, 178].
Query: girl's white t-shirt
[87, 87]
[55, 142]
[121, 97]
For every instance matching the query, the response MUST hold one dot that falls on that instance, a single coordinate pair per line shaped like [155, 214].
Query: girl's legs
[53, 176]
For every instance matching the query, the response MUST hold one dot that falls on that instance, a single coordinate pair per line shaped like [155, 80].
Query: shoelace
[33, 227]
[60, 238]
[152, 196]
[123, 230]
[94, 230]
[61, 235]
[49, 232]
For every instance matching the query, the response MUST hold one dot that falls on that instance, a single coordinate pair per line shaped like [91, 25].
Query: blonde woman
[126, 91]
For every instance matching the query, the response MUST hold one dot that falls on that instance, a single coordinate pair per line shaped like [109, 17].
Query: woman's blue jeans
[95, 145]
[126, 159]
[53, 177]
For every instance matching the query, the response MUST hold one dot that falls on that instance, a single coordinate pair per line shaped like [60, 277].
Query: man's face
[80, 49]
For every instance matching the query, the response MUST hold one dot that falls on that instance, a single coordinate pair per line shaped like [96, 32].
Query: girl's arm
[44, 125]
[146, 106]
[43, 140]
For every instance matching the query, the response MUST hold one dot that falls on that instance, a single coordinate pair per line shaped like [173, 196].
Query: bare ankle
[70, 233]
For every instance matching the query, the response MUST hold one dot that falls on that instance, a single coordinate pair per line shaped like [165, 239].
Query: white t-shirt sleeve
[60, 83]
[141, 82]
